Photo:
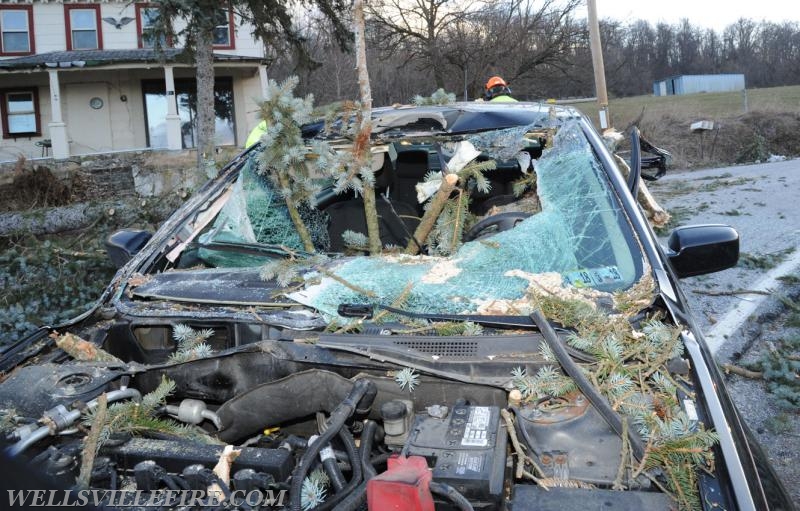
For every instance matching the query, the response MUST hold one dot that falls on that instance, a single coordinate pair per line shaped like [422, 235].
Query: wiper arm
[585, 386]
[352, 310]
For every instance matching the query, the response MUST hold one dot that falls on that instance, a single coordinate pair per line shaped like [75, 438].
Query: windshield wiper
[361, 310]
[574, 371]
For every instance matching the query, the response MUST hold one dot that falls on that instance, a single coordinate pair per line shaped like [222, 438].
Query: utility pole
[597, 64]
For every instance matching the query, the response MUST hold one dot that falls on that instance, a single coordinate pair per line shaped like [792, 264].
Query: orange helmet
[495, 81]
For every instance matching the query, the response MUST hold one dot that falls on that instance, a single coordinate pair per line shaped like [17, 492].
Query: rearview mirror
[123, 245]
[700, 249]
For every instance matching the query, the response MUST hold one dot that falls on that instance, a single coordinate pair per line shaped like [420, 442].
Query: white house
[83, 77]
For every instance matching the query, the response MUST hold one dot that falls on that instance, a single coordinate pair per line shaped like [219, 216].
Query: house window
[83, 27]
[20, 111]
[155, 105]
[147, 17]
[223, 29]
[16, 30]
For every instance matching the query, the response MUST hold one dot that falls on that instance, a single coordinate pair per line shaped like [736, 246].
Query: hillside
[770, 126]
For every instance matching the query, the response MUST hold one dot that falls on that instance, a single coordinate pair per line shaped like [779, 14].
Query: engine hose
[362, 388]
[380, 459]
[334, 473]
[169, 482]
[355, 479]
[182, 484]
[367, 437]
[68, 419]
[585, 386]
[354, 500]
[451, 494]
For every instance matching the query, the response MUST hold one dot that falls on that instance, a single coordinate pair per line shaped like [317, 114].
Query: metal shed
[692, 84]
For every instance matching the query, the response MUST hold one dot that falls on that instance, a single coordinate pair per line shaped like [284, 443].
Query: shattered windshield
[568, 226]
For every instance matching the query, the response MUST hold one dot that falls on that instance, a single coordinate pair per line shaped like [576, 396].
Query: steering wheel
[502, 222]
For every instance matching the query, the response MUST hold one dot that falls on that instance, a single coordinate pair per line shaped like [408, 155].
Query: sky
[716, 14]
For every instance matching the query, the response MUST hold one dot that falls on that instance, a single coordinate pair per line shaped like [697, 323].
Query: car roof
[404, 121]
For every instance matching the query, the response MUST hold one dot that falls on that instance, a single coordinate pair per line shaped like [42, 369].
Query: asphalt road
[739, 309]
[762, 202]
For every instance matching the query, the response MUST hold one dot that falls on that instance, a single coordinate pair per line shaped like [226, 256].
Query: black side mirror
[122, 245]
[700, 249]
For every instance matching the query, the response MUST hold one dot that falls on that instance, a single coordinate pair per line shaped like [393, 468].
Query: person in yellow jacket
[497, 91]
[255, 135]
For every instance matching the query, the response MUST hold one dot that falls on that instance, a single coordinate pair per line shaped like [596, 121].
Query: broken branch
[90, 443]
[730, 293]
[521, 456]
[434, 210]
[345, 283]
[741, 371]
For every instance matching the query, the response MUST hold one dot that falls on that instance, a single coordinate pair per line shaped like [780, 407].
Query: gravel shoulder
[776, 427]
[760, 202]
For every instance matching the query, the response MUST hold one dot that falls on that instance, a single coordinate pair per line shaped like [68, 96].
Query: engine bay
[342, 421]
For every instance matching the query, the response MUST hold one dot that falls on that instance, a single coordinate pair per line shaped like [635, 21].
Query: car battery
[465, 448]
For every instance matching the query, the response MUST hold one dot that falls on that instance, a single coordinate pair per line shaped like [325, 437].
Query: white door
[88, 120]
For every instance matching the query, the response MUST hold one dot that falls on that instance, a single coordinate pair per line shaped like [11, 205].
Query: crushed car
[519, 341]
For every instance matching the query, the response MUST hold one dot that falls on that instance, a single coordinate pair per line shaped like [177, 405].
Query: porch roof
[106, 58]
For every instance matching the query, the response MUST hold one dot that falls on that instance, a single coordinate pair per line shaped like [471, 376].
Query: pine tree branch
[457, 221]
[302, 230]
[434, 210]
[347, 284]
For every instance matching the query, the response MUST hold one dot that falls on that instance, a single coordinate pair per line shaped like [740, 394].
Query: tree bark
[204, 57]
[361, 146]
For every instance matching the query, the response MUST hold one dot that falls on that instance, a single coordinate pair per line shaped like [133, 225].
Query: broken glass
[580, 234]
[257, 214]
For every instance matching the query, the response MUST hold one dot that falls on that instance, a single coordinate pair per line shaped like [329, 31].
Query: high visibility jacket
[503, 98]
[255, 135]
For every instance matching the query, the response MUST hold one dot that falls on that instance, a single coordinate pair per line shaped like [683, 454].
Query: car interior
[404, 167]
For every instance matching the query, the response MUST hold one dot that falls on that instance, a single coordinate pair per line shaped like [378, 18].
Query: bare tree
[514, 38]
[418, 27]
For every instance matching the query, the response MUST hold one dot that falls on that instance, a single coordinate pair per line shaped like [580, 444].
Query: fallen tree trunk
[80, 216]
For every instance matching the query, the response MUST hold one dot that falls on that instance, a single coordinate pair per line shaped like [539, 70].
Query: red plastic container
[404, 486]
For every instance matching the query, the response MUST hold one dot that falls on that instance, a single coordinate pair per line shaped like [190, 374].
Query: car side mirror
[122, 245]
[700, 249]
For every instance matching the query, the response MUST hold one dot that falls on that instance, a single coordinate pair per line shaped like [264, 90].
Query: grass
[698, 106]
[770, 125]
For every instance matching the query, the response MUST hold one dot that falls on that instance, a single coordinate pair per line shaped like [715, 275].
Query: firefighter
[255, 135]
[497, 91]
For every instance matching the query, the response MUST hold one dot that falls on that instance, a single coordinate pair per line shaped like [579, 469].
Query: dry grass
[37, 186]
[771, 124]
